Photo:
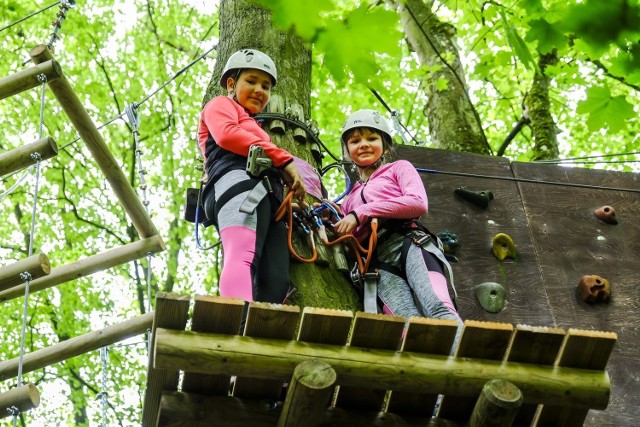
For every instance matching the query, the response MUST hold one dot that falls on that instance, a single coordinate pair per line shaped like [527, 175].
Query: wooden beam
[89, 133]
[497, 405]
[20, 158]
[172, 311]
[28, 78]
[309, 393]
[383, 369]
[36, 265]
[22, 398]
[89, 265]
[78, 345]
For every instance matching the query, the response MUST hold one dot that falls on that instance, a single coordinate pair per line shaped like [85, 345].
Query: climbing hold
[606, 214]
[593, 289]
[491, 296]
[503, 246]
[449, 241]
[479, 198]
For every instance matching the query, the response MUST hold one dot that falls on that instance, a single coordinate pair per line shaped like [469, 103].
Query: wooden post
[22, 398]
[28, 78]
[78, 345]
[309, 392]
[89, 133]
[385, 369]
[89, 265]
[36, 265]
[497, 405]
[20, 157]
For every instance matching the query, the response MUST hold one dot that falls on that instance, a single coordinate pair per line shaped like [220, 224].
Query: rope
[131, 110]
[104, 358]
[65, 5]
[397, 124]
[28, 16]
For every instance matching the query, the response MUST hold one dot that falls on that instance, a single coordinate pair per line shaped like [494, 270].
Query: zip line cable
[6, 27]
[531, 181]
[599, 156]
[400, 127]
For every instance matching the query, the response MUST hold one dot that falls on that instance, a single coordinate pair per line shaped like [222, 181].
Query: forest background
[117, 53]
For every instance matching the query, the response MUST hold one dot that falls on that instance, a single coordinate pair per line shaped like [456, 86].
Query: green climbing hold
[503, 246]
[491, 296]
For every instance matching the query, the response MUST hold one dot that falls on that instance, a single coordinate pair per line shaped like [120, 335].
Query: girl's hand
[346, 225]
[293, 179]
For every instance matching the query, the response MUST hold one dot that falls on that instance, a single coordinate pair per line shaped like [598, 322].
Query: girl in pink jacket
[256, 255]
[410, 264]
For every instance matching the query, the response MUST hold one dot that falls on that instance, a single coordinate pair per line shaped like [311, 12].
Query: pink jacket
[393, 191]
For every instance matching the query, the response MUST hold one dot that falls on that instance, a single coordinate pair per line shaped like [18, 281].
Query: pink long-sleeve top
[225, 133]
[394, 191]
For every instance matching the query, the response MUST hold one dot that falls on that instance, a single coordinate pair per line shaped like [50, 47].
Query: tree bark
[453, 121]
[244, 25]
[538, 106]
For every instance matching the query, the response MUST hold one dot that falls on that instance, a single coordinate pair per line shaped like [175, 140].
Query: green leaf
[604, 110]
[547, 36]
[442, 84]
[519, 47]
[306, 18]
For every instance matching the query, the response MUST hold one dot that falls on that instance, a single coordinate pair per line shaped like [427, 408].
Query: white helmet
[366, 118]
[248, 58]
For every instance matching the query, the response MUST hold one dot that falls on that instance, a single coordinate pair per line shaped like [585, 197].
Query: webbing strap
[371, 292]
[430, 247]
[255, 196]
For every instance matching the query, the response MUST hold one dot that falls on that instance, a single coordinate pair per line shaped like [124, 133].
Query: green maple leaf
[519, 47]
[306, 18]
[605, 110]
[547, 36]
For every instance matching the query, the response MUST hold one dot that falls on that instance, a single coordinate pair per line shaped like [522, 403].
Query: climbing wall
[558, 240]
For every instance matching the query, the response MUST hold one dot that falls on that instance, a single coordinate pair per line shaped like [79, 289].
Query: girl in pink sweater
[409, 262]
[256, 255]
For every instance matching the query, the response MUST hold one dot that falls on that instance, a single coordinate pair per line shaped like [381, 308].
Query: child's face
[253, 89]
[365, 147]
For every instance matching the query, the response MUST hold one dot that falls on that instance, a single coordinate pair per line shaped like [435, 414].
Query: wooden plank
[171, 313]
[480, 340]
[28, 78]
[267, 320]
[475, 228]
[424, 335]
[323, 325]
[371, 331]
[534, 344]
[387, 369]
[23, 398]
[583, 350]
[219, 315]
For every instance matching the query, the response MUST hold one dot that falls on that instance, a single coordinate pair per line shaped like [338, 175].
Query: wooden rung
[321, 325]
[582, 349]
[28, 78]
[533, 344]
[22, 398]
[36, 265]
[89, 265]
[171, 313]
[479, 340]
[376, 331]
[21, 157]
[265, 320]
[218, 315]
[424, 335]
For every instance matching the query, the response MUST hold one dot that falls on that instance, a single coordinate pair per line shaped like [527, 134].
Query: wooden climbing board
[558, 240]
[201, 387]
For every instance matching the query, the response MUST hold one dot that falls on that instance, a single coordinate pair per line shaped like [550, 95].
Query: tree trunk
[543, 127]
[453, 121]
[244, 25]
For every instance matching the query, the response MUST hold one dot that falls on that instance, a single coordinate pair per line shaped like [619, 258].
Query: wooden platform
[206, 374]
